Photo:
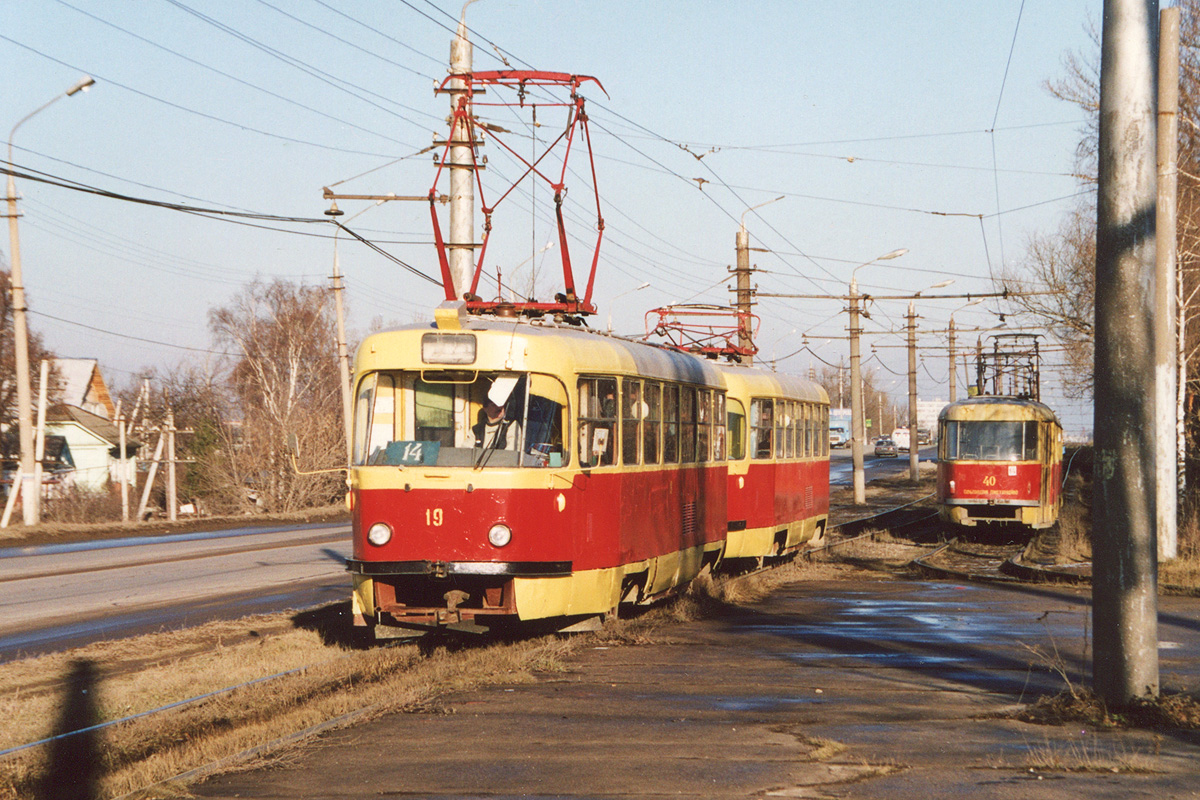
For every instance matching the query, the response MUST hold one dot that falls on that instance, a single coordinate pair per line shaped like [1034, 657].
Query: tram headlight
[500, 535]
[379, 534]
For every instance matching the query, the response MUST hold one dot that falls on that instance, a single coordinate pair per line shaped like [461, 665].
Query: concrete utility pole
[1124, 590]
[343, 355]
[461, 243]
[914, 473]
[31, 496]
[856, 400]
[1165, 352]
[953, 372]
[744, 292]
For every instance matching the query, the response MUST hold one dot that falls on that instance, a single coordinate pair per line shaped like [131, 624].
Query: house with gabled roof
[83, 386]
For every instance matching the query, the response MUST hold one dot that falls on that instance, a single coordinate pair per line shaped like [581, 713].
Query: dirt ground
[852, 689]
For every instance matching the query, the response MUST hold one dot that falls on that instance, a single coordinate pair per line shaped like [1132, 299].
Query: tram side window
[804, 433]
[687, 424]
[703, 423]
[735, 423]
[780, 437]
[718, 430]
[544, 440]
[761, 422]
[633, 412]
[671, 424]
[823, 431]
[652, 425]
[597, 421]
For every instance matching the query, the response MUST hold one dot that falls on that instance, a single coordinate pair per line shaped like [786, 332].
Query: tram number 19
[434, 517]
[988, 480]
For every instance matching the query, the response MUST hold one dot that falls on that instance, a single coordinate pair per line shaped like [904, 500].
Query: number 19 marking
[433, 517]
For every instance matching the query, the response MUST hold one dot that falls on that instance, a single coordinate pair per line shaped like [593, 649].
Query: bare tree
[1055, 285]
[284, 383]
[8, 362]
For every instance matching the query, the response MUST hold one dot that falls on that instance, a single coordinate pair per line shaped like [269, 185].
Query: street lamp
[618, 297]
[857, 429]
[339, 311]
[32, 495]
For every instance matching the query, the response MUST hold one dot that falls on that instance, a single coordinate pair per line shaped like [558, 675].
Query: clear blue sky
[886, 125]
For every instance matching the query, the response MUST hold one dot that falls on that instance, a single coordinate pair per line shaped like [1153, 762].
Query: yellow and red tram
[778, 482]
[999, 461]
[600, 479]
[514, 471]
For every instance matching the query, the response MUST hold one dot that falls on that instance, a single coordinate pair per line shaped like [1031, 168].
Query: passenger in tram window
[490, 431]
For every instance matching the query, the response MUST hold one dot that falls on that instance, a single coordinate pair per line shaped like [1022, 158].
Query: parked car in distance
[885, 448]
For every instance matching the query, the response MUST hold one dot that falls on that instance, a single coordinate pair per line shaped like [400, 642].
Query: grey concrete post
[1124, 591]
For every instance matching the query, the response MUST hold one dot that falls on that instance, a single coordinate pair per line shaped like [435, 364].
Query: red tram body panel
[999, 461]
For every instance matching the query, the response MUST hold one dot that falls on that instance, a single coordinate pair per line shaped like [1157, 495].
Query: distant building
[83, 386]
[927, 415]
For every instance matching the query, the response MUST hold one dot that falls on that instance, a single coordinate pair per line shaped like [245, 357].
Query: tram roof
[547, 347]
[763, 382]
[998, 408]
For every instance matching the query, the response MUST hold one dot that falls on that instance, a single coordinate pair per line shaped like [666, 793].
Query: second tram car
[508, 471]
[778, 495]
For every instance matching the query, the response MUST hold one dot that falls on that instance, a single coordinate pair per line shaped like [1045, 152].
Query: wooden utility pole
[1124, 557]
[1165, 352]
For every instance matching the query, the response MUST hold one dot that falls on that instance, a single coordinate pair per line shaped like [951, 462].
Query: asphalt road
[58, 596]
[841, 466]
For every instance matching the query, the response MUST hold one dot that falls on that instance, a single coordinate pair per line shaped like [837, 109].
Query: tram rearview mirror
[502, 389]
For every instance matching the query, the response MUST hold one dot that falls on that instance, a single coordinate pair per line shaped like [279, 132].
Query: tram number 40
[989, 480]
[434, 517]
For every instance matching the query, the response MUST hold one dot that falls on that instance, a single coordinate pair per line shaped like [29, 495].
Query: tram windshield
[990, 441]
[460, 418]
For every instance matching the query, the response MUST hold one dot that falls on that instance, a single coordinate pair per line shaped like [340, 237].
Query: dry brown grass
[1085, 756]
[339, 682]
